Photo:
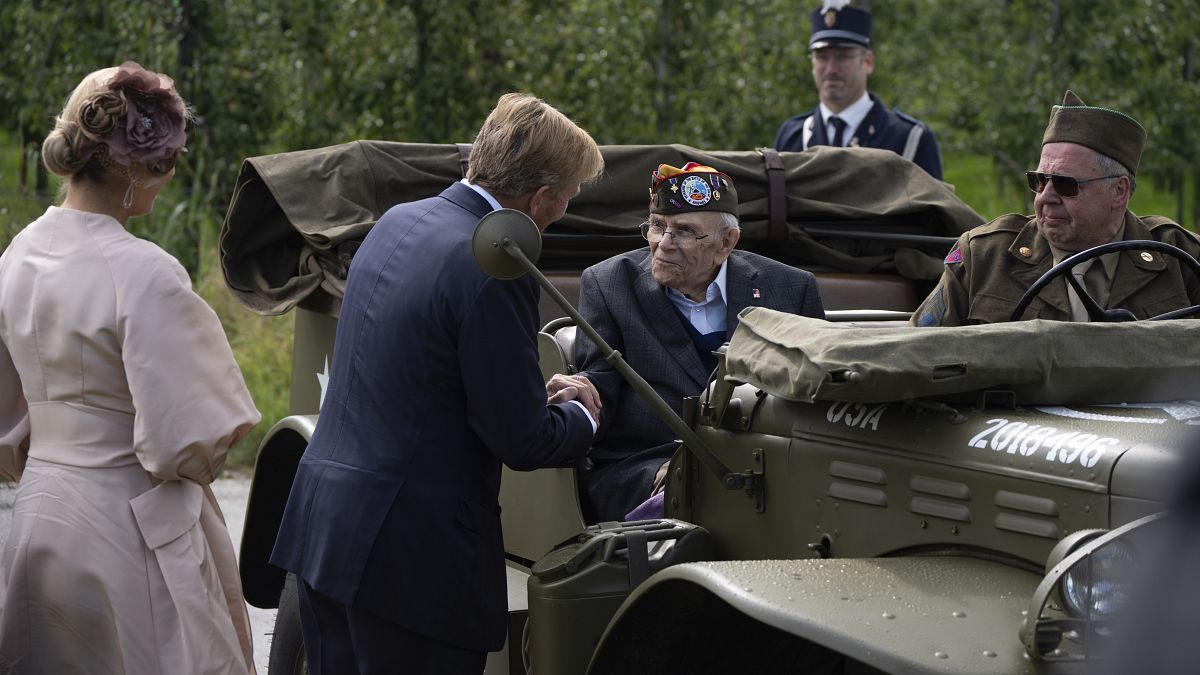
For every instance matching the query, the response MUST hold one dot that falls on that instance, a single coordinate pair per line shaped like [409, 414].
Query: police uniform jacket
[990, 267]
[881, 128]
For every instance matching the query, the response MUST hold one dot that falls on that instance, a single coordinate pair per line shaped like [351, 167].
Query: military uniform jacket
[881, 128]
[987, 272]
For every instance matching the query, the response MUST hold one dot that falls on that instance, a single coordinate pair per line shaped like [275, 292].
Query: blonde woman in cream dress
[119, 398]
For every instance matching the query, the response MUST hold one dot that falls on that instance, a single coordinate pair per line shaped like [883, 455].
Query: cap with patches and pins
[1108, 132]
[694, 187]
[836, 24]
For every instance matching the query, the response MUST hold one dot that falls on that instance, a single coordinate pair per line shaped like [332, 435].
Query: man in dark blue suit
[392, 526]
[849, 115]
[666, 307]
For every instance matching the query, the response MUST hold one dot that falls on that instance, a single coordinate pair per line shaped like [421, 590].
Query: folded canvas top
[1042, 362]
[296, 218]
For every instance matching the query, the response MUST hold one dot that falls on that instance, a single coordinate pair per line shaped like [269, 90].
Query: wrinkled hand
[563, 388]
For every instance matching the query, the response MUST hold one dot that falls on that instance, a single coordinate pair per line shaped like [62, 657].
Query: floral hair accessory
[139, 117]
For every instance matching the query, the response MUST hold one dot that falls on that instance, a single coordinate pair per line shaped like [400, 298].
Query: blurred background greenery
[270, 76]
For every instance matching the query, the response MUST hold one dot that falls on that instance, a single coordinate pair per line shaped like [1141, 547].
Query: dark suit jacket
[434, 382]
[881, 128]
[631, 311]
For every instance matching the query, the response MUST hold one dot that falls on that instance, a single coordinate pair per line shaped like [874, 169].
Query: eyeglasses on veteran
[1065, 186]
[654, 233]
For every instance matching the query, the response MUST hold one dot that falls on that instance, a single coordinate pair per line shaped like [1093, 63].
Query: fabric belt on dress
[80, 435]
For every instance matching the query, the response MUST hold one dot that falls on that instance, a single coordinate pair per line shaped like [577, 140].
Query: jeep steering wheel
[1094, 310]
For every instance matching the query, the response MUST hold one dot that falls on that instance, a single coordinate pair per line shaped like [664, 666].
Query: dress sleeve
[190, 402]
[14, 419]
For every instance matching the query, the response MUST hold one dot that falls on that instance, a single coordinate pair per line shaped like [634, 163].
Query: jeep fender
[274, 470]
[875, 611]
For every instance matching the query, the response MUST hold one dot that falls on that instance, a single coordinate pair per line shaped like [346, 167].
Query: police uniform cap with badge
[837, 24]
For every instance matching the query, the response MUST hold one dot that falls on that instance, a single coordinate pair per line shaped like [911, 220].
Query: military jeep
[843, 506]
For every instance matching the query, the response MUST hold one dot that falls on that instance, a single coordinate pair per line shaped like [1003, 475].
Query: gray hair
[1111, 167]
[728, 222]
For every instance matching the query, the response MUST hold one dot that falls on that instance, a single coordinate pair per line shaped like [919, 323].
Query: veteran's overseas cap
[836, 24]
[1108, 132]
[694, 187]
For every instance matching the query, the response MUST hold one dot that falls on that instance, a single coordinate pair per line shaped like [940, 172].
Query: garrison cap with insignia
[694, 187]
[1108, 132]
[836, 24]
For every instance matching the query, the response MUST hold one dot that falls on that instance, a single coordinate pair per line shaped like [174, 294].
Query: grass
[262, 346]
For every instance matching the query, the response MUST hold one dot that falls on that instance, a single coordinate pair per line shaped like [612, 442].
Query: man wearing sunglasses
[849, 115]
[1083, 184]
[666, 308]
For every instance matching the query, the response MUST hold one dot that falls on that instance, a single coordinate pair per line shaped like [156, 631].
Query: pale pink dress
[119, 398]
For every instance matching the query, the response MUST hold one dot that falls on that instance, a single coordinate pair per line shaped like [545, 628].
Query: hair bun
[65, 151]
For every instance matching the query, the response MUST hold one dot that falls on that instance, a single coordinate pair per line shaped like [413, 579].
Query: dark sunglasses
[1065, 186]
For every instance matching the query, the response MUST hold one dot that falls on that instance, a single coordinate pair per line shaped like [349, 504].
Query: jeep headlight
[1098, 585]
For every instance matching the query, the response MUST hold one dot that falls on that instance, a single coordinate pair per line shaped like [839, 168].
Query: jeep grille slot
[858, 493]
[1027, 503]
[859, 472]
[1026, 525]
[941, 488]
[940, 509]
[854, 492]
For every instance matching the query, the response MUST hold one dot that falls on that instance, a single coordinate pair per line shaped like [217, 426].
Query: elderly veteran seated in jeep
[1083, 184]
[666, 308]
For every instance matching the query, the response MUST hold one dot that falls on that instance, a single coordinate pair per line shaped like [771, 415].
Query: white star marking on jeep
[323, 380]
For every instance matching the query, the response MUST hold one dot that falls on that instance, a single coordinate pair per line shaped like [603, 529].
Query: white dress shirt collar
[483, 193]
[853, 116]
[707, 316]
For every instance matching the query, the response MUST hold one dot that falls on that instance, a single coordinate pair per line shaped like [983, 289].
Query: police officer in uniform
[1083, 183]
[849, 115]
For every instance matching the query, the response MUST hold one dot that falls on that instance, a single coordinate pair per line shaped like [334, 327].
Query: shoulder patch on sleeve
[955, 255]
[933, 310]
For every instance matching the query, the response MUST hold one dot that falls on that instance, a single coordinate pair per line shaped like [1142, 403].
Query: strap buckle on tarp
[776, 195]
[464, 157]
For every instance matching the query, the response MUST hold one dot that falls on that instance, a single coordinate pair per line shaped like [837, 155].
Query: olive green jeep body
[914, 535]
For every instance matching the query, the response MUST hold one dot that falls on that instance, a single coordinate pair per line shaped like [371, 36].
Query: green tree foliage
[985, 73]
[273, 75]
[268, 76]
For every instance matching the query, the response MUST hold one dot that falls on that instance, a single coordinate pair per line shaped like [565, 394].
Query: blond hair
[66, 151]
[525, 143]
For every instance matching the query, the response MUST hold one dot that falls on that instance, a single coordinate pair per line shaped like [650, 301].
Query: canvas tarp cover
[1042, 362]
[296, 218]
